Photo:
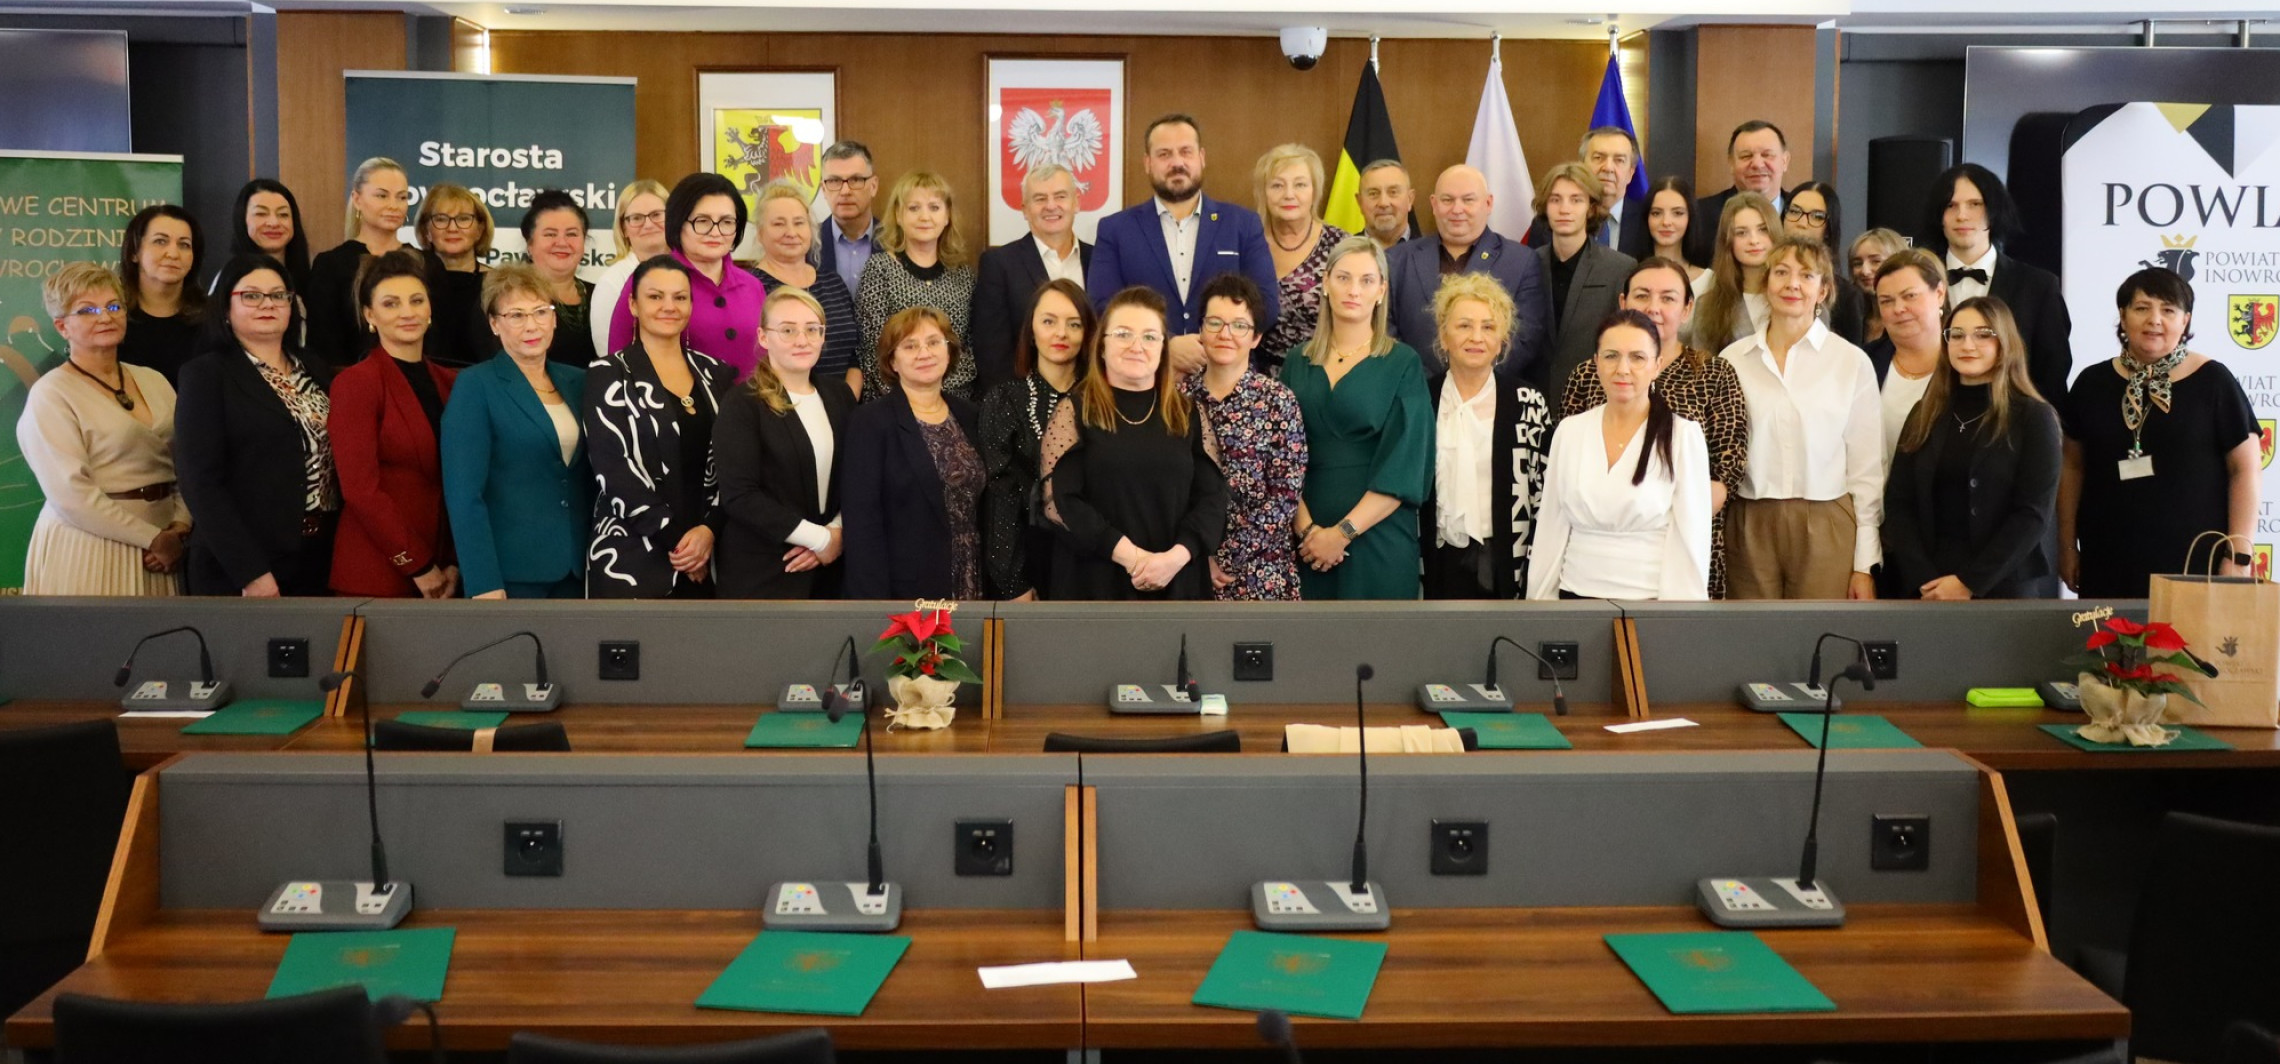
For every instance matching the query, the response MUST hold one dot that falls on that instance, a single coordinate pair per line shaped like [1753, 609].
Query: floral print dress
[1262, 450]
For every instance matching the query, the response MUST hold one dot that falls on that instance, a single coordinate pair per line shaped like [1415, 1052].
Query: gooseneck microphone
[1182, 696]
[536, 697]
[1188, 686]
[837, 709]
[344, 905]
[809, 698]
[1361, 884]
[205, 694]
[1353, 904]
[873, 905]
[1559, 694]
[1274, 1027]
[1809, 860]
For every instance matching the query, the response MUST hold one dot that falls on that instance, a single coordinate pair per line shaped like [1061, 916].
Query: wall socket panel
[1459, 848]
[621, 659]
[1564, 657]
[534, 848]
[1900, 842]
[985, 848]
[1254, 661]
[288, 657]
[1883, 658]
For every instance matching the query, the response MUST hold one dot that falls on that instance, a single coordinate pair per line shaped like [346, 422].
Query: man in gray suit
[1586, 275]
[1462, 243]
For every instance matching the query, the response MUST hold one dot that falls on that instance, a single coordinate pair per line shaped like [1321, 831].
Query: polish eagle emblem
[1056, 138]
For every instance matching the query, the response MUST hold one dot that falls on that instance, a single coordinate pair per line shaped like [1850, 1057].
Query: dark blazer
[1415, 269]
[519, 513]
[1848, 312]
[1130, 251]
[633, 440]
[1591, 296]
[1702, 232]
[2039, 306]
[892, 518]
[336, 331]
[2014, 495]
[1634, 240]
[1523, 442]
[1009, 277]
[391, 478]
[237, 458]
[825, 253]
[767, 487]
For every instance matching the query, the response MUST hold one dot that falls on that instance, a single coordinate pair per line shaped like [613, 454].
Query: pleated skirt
[63, 560]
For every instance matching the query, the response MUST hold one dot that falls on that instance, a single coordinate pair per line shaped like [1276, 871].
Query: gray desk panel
[1070, 654]
[1565, 829]
[68, 648]
[1699, 652]
[639, 832]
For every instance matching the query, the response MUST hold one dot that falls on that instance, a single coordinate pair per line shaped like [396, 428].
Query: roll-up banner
[506, 138]
[2196, 188]
[55, 208]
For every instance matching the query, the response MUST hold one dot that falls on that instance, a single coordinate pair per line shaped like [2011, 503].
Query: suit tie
[1956, 277]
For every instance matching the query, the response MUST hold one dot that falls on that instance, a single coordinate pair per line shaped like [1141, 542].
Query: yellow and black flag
[1369, 137]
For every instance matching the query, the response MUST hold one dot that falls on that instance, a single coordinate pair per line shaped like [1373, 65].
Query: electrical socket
[534, 847]
[1460, 848]
[1562, 656]
[621, 659]
[288, 657]
[985, 848]
[1900, 842]
[1883, 658]
[1254, 661]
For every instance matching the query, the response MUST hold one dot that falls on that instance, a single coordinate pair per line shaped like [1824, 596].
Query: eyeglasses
[785, 334]
[262, 299]
[705, 226]
[1984, 336]
[519, 318]
[111, 307]
[1237, 327]
[841, 184]
[643, 220]
[1127, 336]
[931, 343]
[1799, 214]
[452, 221]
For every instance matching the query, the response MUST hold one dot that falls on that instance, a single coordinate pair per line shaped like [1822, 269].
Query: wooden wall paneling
[1752, 72]
[313, 49]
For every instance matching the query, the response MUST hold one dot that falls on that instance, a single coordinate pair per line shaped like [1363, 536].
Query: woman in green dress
[1369, 438]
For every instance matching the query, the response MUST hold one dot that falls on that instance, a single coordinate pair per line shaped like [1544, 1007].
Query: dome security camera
[1303, 45]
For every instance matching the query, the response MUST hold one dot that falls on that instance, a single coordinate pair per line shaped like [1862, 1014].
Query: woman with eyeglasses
[640, 231]
[786, 237]
[777, 448]
[1130, 470]
[159, 256]
[554, 234]
[266, 220]
[1049, 356]
[704, 221]
[379, 196]
[1973, 488]
[454, 228]
[925, 265]
[912, 482]
[1261, 437]
[1810, 210]
[95, 433]
[516, 479]
[253, 448]
[387, 414]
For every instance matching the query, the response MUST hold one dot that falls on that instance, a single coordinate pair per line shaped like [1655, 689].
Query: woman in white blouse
[1804, 525]
[1626, 506]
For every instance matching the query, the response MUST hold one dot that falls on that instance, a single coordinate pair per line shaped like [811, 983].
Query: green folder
[1851, 731]
[258, 716]
[2187, 739]
[1510, 731]
[407, 961]
[806, 971]
[1717, 972]
[804, 730]
[1300, 974]
[451, 718]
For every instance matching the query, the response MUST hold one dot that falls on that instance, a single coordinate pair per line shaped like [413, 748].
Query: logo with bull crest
[2176, 256]
[2252, 321]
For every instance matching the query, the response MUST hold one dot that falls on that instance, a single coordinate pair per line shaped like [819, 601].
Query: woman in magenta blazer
[386, 413]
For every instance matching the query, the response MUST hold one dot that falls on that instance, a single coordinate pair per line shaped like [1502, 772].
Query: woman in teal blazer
[515, 477]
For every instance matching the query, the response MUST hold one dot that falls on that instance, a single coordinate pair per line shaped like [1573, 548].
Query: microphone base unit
[1319, 905]
[336, 905]
[832, 907]
[513, 698]
[1765, 901]
[177, 696]
[2060, 695]
[1462, 698]
[1786, 698]
[1161, 700]
[808, 698]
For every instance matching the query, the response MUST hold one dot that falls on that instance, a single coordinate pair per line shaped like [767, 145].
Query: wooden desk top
[1535, 977]
[616, 976]
[1023, 729]
[143, 742]
[616, 729]
[2007, 740]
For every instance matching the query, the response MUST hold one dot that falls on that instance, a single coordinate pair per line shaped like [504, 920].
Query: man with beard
[1386, 198]
[1179, 240]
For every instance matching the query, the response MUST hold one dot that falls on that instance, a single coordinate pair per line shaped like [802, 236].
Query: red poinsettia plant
[924, 646]
[2123, 654]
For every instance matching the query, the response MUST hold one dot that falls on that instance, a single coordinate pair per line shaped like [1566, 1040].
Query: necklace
[1293, 249]
[1143, 418]
[689, 403]
[1964, 425]
[118, 391]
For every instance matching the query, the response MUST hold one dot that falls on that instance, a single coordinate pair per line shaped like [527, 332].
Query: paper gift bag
[2233, 623]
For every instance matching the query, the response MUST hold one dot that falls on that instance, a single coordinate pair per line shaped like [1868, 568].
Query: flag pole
[1495, 47]
[1373, 51]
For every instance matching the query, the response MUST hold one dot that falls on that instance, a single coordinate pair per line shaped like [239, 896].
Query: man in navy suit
[1179, 240]
[1612, 155]
[1463, 243]
[1759, 155]
[1011, 273]
[850, 236]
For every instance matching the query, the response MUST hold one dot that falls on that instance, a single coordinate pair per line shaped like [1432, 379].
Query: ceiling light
[526, 11]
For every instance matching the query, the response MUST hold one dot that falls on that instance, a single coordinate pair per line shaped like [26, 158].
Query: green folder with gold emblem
[807, 972]
[1717, 972]
[1510, 731]
[804, 730]
[258, 716]
[1851, 731]
[407, 961]
[1304, 975]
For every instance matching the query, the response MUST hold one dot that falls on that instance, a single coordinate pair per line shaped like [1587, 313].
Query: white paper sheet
[1051, 972]
[1651, 725]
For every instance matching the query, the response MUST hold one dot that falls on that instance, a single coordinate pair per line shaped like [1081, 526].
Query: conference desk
[143, 741]
[619, 729]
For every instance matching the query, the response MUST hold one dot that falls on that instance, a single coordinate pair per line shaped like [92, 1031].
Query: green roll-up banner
[55, 208]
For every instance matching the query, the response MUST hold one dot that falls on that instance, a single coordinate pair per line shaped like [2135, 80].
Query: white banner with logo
[2195, 188]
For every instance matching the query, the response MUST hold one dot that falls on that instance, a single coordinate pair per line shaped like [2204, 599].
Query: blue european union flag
[1611, 110]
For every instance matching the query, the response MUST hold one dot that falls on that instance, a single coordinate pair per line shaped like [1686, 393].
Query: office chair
[545, 737]
[2205, 946]
[329, 1025]
[799, 1047]
[65, 794]
[1218, 742]
[2246, 1043]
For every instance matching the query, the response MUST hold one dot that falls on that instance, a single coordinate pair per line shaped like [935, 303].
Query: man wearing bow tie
[1969, 216]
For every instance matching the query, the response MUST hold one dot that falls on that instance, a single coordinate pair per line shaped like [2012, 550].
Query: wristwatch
[1346, 528]
[2243, 559]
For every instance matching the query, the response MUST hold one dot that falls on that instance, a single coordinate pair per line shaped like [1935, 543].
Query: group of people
[1209, 402]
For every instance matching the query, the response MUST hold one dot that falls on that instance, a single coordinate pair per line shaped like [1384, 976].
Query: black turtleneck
[1960, 432]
